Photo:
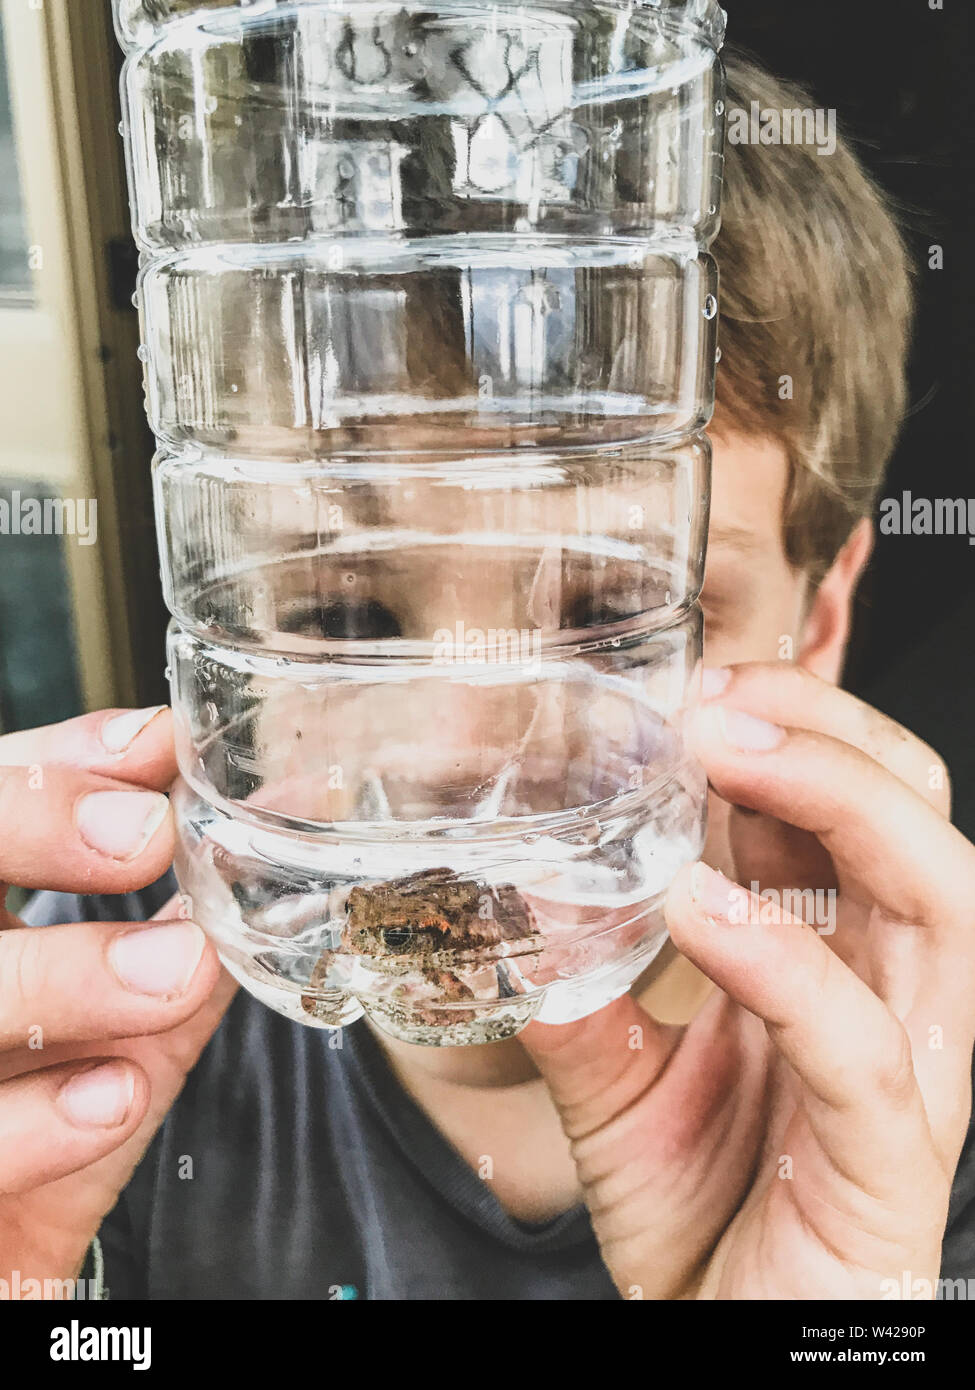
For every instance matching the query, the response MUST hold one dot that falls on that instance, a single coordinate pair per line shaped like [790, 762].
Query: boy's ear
[826, 630]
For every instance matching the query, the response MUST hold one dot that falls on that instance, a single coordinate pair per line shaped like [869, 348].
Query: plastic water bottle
[430, 329]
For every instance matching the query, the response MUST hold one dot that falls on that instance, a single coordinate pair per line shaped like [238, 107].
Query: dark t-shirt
[293, 1165]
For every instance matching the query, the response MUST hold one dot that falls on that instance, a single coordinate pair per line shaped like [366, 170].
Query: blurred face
[417, 561]
[414, 559]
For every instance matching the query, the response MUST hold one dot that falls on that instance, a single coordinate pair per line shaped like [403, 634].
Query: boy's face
[754, 602]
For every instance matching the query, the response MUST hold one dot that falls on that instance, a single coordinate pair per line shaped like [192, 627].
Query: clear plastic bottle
[430, 331]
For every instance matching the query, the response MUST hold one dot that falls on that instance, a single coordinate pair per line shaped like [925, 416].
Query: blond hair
[816, 304]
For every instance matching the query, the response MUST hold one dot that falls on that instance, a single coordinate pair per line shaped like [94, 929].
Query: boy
[765, 1116]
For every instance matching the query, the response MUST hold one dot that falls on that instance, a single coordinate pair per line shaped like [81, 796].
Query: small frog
[421, 928]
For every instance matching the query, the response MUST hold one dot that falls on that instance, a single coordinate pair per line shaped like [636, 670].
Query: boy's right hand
[99, 1022]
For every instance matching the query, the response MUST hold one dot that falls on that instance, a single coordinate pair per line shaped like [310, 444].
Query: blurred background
[81, 626]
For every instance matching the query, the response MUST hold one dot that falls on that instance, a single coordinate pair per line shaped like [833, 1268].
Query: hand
[798, 1139]
[99, 1022]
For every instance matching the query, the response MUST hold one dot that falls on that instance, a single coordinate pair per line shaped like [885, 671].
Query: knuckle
[23, 969]
[22, 984]
[907, 755]
[883, 739]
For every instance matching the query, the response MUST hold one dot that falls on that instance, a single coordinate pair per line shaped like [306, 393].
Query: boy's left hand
[798, 1139]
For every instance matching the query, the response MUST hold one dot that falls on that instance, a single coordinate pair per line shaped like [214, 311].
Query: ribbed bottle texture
[430, 330]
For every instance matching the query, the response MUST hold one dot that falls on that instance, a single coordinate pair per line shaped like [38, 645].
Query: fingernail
[99, 1098]
[158, 960]
[714, 681]
[118, 732]
[712, 894]
[748, 734]
[120, 824]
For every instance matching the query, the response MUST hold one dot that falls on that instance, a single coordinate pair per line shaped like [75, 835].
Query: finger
[63, 1118]
[75, 832]
[598, 1066]
[888, 844]
[851, 1055]
[97, 980]
[128, 745]
[906, 873]
[786, 694]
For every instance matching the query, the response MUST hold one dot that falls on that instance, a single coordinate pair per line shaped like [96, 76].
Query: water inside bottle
[564, 804]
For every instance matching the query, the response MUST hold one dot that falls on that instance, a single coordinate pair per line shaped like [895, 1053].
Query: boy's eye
[613, 592]
[354, 619]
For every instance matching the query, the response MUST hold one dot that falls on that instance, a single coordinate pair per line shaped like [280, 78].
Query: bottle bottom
[446, 939]
[451, 1025]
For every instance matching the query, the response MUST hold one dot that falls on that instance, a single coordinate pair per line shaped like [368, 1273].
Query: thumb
[596, 1067]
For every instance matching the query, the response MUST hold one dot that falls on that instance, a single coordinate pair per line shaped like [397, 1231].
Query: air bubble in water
[710, 307]
[719, 108]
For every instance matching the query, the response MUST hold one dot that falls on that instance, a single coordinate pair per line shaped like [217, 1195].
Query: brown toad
[423, 930]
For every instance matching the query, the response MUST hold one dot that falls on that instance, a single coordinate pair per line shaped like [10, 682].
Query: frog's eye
[396, 938]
